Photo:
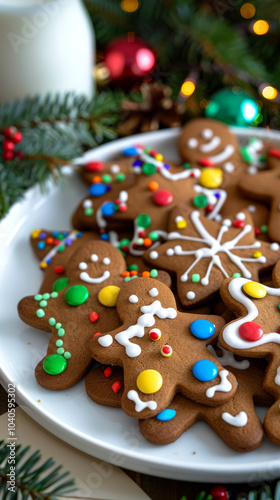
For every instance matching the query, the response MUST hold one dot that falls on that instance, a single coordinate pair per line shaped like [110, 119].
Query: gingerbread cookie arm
[105, 386]
[31, 312]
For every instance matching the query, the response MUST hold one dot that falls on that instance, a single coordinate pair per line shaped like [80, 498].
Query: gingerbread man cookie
[162, 351]
[235, 422]
[203, 252]
[211, 144]
[255, 333]
[266, 186]
[77, 312]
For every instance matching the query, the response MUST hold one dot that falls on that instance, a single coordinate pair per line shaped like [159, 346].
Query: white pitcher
[46, 46]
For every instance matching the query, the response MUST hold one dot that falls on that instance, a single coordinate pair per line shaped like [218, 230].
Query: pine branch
[33, 479]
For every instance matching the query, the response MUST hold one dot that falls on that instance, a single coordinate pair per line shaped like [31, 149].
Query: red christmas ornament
[129, 61]
[219, 493]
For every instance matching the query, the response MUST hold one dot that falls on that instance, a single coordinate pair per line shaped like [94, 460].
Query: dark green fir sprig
[34, 480]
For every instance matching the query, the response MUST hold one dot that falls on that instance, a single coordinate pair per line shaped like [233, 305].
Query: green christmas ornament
[234, 108]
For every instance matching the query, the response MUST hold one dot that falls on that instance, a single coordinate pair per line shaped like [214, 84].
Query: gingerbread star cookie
[266, 186]
[235, 422]
[203, 252]
[255, 333]
[76, 312]
[162, 351]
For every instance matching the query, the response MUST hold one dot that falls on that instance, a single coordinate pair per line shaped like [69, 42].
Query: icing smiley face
[84, 276]
[208, 143]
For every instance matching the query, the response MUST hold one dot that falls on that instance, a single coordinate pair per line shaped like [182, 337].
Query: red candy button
[250, 331]
[162, 197]
[94, 166]
[239, 223]
[274, 152]
[59, 270]
[206, 162]
[219, 493]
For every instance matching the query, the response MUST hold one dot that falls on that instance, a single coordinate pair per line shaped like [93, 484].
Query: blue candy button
[97, 189]
[108, 209]
[130, 152]
[204, 370]
[104, 237]
[41, 245]
[166, 415]
[202, 328]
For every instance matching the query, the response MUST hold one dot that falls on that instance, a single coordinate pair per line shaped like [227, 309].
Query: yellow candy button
[254, 289]
[35, 234]
[181, 224]
[257, 254]
[108, 296]
[43, 265]
[149, 381]
[211, 177]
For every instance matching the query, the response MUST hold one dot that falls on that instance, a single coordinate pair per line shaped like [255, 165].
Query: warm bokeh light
[129, 5]
[269, 92]
[187, 88]
[145, 59]
[247, 10]
[261, 27]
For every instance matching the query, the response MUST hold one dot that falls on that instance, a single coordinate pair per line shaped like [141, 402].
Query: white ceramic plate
[199, 455]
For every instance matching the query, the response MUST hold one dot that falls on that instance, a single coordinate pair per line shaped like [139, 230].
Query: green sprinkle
[60, 237]
[144, 220]
[195, 278]
[60, 350]
[132, 267]
[200, 201]
[126, 279]
[61, 332]
[133, 277]
[61, 248]
[264, 228]
[153, 236]
[88, 211]
[236, 275]
[38, 297]
[154, 273]
[40, 313]
[120, 177]
[187, 165]
[46, 296]
[106, 178]
[52, 321]
[43, 303]
[116, 207]
[67, 355]
[58, 325]
[59, 343]
[149, 169]
[54, 295]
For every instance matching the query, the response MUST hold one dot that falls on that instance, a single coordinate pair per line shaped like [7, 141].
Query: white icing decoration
[153, 292]
[170, 252]
[252, 170]
[224, 155]
[133, 299]
[87, 204]
[192, 143]
[218, 217]
[252, 208]
[135, 239]
[82, 266]
[212, 200]
[229, 167]
[239, 420]
[141, 405]
[153, 255]
[241, 216]
[277, 378]
[274, 247]
[190, 295]
[256, 163]
[223, 386]
[209, 146]
[184, 174]
[214, 247]
[145, 320]
[207, 133]
[106, 261]
[84, 276]
[94, 257]
[115, 169]
[71, 236]
[105, 341]
[231, 332]
[228, 359]
[227, 222]
[179, 218]
[123, 196]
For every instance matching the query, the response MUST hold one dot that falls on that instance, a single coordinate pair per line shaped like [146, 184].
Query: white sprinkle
[252, 170]
[170, 252]
[115, 169]
[274, 247]
[87, 204]
[229, 167]
[240, 216]
[252, 208]
[153, 255]
[190, 295]
[227, 222]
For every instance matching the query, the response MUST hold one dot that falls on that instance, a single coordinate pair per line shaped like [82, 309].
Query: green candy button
[54, 364]
[200, 201]
[60, 284]
[149, 169]
[76, 295]
[144, 220]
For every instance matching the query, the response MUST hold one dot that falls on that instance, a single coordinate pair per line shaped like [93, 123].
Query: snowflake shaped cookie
[203, 253]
